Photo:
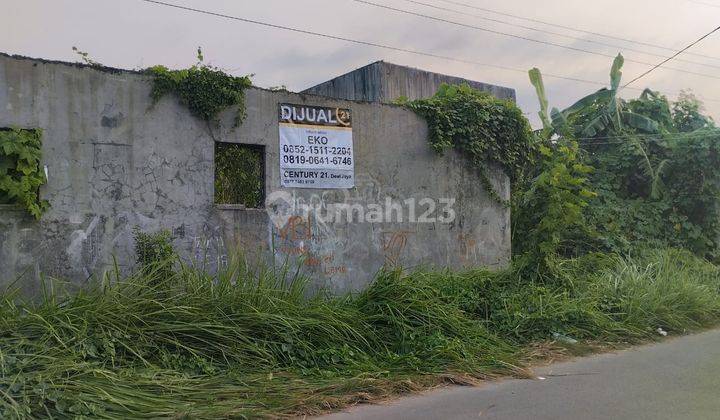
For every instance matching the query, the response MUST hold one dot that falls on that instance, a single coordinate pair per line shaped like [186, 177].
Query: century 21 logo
[343, 116]
[315, 115]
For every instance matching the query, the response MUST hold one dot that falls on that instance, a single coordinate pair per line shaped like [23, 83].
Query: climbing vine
[20, 173]
[204, 89]
[482, 127]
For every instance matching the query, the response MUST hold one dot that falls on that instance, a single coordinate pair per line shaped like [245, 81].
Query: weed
[244, 343]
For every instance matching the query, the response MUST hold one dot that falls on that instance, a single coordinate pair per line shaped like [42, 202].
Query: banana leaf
[537, 81]
[640, 122]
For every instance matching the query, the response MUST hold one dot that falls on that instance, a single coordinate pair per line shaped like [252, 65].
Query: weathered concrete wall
[115, 161]
[384, 82]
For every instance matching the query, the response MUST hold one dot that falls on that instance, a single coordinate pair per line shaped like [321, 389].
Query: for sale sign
[316, 147]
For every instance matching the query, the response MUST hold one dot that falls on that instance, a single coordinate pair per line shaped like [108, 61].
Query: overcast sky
[136, 34]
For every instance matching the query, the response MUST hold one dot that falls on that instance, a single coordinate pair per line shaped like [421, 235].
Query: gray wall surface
[385, 82]
[115, 162]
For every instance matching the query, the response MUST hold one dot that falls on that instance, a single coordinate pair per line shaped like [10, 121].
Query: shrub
[154, 252]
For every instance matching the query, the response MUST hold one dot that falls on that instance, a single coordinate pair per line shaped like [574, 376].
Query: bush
[154, 252]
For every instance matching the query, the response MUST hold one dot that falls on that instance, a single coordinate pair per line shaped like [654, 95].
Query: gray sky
[135, 34]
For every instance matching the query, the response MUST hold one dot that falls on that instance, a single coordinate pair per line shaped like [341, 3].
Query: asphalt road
[676, 379]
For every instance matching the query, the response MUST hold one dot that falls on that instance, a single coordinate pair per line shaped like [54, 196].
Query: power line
[660, 136]
[383, 46]
[647, 44]
[366, 43]
[704, 3]
[657, 66]
[538, 41]
[531, 28]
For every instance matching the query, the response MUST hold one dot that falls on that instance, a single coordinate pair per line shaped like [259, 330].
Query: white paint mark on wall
[77, 238]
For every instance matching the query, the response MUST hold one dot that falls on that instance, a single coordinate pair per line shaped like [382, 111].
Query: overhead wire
[366, 43]
[704, 3]
[647, 136]
[525, 38]
[379, 45]
[575, 38]
[576, 29]
[659, 65]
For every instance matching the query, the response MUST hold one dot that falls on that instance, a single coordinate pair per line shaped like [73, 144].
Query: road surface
[676, 379]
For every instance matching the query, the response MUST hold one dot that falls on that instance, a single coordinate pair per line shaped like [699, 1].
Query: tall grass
[182, 343]
[598, 296]
[668, 289]
[157, 345]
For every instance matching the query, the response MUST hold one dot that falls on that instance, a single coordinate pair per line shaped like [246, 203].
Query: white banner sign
[316, 147]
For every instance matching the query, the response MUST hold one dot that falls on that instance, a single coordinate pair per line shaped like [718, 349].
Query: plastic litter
[661, 332]
[564, 338]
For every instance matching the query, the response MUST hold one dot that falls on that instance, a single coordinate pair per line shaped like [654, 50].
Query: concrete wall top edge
[339, 86]
[141, 73]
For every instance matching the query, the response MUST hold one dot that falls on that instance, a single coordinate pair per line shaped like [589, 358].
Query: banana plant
[655, 173]
[595, 114]
[536, 80]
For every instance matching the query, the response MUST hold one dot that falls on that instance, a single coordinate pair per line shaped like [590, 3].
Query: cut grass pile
[246, 344]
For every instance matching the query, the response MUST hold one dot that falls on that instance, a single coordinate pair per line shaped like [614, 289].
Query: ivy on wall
[204, 89]
[480, 126]
[20, 173]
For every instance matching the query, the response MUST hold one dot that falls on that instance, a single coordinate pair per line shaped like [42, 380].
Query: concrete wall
[385, 82]
[115, 161]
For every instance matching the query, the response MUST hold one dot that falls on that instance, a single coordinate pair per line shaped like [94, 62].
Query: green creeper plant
[480, 126]
[549, 212]
[20, 172]
[204, 89]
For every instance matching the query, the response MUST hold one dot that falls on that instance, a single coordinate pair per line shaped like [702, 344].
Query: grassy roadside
[184, 344]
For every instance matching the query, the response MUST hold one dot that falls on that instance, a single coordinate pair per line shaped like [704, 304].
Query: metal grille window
[240, 174]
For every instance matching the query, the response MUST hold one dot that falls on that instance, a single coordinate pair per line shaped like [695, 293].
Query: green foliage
[655, 106]
[658, 191]
[670, 289]
[655, 169]
[549, 208]
[549, 211]
[20, 172]
[239, 175]
[687, 114]
[249, 344]
[484, 128]
[536, 80]
[235, 344]
[204, 89]
[595, 296]
[154, 252]
[426, 328]
[599, 113]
